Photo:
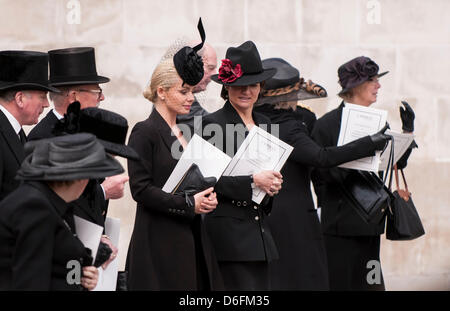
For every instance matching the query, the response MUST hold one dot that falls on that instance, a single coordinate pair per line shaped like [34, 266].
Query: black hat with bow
[357, 71]
[109, 127]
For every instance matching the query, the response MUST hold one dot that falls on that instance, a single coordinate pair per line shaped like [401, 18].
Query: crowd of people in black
[214, 239]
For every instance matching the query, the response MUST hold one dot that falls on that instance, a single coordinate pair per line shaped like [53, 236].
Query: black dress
[294, 222]
[169, 247]
[37, 241]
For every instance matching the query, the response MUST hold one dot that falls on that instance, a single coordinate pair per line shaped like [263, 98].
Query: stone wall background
[411, 39]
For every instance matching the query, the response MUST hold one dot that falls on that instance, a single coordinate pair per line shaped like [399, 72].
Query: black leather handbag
[193, 182]
[403, 221]
[368, 193]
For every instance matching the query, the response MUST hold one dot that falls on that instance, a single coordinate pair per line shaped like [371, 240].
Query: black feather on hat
[188, 63]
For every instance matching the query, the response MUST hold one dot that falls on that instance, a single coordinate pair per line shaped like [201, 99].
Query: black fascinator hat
[188, 63]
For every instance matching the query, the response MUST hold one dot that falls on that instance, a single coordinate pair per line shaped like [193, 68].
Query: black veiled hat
[74, 66]
[242, 66]
[24, 70]
[109, 127]
[357, 71]
[287, 85]
[69, 157]
[188, 63]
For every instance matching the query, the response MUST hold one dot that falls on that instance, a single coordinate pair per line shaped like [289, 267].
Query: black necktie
[23, 137]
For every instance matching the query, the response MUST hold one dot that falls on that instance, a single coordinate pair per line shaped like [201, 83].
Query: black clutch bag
[193, 182]
[368, 193]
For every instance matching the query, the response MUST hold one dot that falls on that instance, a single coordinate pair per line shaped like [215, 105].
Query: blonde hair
[164, 75]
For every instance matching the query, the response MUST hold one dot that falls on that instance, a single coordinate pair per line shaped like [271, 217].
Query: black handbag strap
[403, 177]
[390, 166]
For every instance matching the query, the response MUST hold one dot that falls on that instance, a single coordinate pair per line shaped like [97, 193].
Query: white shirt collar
[57, 114]
[14, 123]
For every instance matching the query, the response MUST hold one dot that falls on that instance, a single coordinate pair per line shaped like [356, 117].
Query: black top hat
[69, 157]
[188, 63]
[356, 72]
[287, 85]
[24, 70]
[242, 66]
[74, 66]
[109, 127]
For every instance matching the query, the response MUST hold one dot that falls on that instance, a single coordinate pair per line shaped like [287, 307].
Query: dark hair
[224, 92]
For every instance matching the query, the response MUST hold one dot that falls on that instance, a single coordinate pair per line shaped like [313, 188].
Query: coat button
[255, 207]
[244, 203]
[238, 203]
[232, 202]
[256, 218]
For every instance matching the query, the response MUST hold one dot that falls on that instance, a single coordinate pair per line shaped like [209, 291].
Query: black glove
[380, 139]
[407, 116]
[103, 254]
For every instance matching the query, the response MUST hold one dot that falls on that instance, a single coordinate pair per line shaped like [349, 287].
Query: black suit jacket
[36, 240]
[168, 239]
[44, 128]
[338, 215]
[11, 157]
[91, 205]
[237, 227]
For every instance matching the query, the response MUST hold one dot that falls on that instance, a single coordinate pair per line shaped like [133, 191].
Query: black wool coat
[36, 240]
[238, 227]
[169, 247]
[294, 222]
[11, 157]
[338, 215]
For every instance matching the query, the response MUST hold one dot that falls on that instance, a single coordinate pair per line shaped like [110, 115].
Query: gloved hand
[407, 116]
[380, 139]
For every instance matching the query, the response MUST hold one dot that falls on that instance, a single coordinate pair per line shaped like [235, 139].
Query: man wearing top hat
[23, 96]
[73, 72]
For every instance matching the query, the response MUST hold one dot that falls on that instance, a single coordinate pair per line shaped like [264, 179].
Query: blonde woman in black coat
[169, 249]
[39, 247]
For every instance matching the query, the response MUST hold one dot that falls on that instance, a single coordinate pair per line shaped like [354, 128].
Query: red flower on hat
[227, 73]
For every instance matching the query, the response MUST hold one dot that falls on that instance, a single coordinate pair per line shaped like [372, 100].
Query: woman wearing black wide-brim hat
[351, 243]
[294, 222]
[40, 249]
[243, 243]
